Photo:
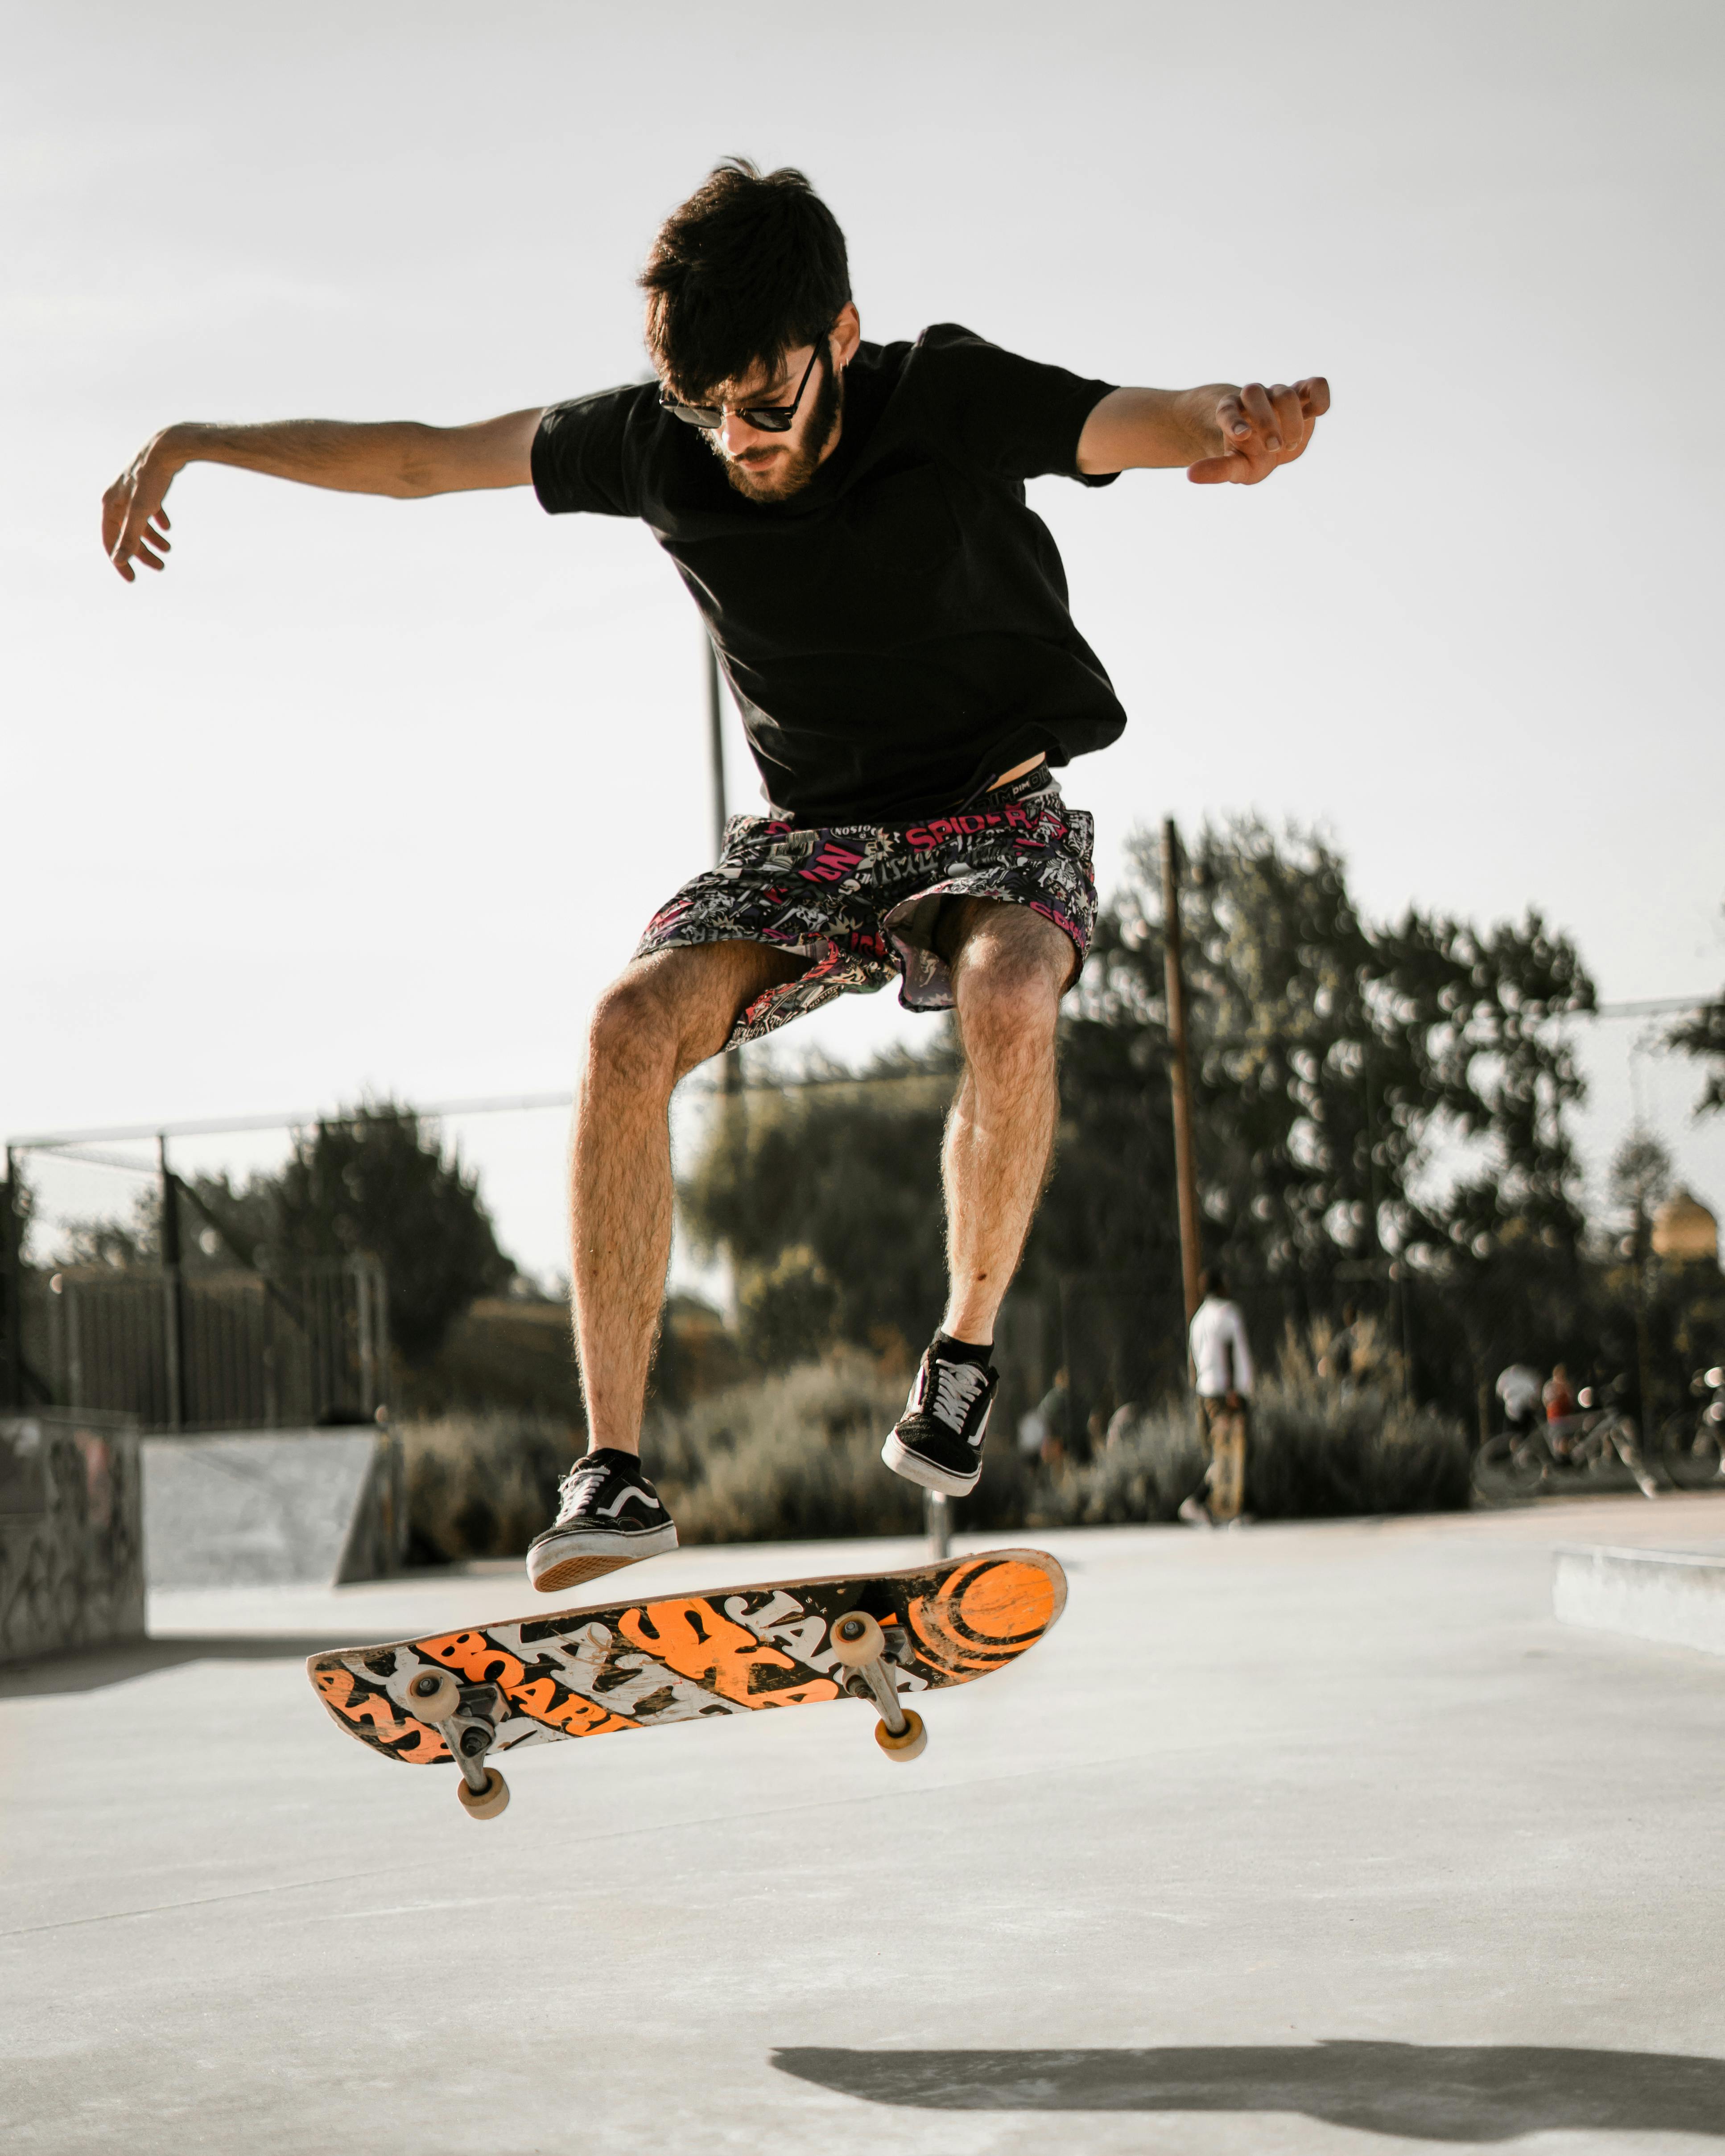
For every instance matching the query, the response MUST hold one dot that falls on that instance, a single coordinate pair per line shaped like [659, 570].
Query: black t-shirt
[898, 633]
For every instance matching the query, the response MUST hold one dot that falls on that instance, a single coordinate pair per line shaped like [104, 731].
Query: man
[1561, 1423]
[1518, 1387]
[850, 519]
[1336, 1360]
[1222, 1375]
[1057, 1417]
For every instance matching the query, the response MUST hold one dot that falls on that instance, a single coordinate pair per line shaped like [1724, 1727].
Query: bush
[786, 1308]
[1142, 1476]
[483, 1484]
[797, 1457]
[788, 1458]
[791, 1458]
[1318, 1450]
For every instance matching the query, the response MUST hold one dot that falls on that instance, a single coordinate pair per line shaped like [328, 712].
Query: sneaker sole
[591, 1557]
[915, 1468]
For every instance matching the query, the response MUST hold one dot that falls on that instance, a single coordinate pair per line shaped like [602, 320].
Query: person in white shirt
[1222, 1375]
[1518, 1387]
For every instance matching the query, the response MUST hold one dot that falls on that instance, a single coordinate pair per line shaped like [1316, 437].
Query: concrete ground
[1304, 1838]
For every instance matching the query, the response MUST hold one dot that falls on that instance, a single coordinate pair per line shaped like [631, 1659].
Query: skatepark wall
[71, 1531]
[274, 1508]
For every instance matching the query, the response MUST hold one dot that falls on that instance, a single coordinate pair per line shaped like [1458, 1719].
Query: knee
[1009, 1003]
[632, 1037]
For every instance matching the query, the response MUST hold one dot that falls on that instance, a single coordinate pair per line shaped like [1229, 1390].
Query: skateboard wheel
[486, 1802]
[856, 1640]
[433, 1695]
[912, 1742]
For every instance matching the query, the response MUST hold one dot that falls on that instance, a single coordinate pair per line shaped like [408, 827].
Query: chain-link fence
[209, 1350]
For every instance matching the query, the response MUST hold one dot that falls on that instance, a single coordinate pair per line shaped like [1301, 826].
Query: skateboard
[1227, 1475]
[462, 1696]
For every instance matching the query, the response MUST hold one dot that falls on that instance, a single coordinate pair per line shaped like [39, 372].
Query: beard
[791, 474]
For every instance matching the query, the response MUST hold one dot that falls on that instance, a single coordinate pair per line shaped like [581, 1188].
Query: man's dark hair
[751, 267]
[1211, 1282]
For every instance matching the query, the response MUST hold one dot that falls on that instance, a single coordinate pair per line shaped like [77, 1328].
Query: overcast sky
[366, 794]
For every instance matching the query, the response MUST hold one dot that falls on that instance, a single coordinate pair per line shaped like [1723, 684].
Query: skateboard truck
[859, 1644]
[460, 1717]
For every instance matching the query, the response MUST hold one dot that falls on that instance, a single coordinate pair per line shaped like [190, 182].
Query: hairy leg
[1010, 969]
[666, 1013]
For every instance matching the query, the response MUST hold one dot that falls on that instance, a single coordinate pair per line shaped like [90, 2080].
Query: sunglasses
[765, 419]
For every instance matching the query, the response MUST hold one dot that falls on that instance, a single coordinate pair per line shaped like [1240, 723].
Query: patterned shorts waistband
[1039, 779]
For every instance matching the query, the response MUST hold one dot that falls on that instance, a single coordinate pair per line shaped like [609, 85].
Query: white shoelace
[956, 1386]
[573, 1485]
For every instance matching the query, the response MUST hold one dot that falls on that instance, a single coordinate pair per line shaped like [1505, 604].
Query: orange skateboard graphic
[461, 1695]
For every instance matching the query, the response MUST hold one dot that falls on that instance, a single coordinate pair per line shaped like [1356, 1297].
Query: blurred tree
[1364, 1094]
[1652, 1323]
[827, 1199]
[786, 1310]
[1640, 1176]
[374, 1180]
[1702, 1034]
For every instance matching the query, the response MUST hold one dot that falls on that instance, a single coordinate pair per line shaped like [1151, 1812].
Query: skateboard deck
[459, 1697]
[1227, 1475]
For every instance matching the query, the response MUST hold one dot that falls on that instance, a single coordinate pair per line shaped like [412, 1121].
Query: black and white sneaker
[937, 1440]
[608, 1515]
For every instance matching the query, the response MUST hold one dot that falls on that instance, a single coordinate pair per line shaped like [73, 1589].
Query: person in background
[1559, 1399]
[1518, 1388]
[1058, 1414]
[1121, 1423]
[1222, 1374]
[1336, 1360]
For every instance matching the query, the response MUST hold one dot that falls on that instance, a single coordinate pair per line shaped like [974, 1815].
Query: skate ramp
[1676, 1596]
[273, 1508]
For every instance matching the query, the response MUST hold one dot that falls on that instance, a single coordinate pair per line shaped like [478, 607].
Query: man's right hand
[135, 524]
[399, 458]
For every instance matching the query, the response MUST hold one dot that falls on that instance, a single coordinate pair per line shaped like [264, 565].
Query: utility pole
[12, 1281]
[729, 1070]
[1398, 1270]
[173, 1291]
[1179, 1067]
[715, 746]
[1644, 1353]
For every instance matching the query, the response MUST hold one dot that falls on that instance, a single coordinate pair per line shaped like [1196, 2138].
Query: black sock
[961, 1351]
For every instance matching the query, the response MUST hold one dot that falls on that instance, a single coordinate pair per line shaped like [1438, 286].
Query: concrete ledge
[1672, 1595]
[273, 1509]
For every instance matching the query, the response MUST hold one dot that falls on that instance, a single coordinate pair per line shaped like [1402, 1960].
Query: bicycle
[1542, 1455]
[1692, 1442]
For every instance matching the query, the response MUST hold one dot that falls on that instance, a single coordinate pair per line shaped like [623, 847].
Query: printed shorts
[860, 901]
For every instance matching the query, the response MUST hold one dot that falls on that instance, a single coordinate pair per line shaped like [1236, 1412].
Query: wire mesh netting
[211, 1351]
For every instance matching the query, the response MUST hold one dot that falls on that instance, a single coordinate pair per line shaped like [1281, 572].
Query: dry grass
[1318, 1449]
[797, 1457]
[792, 1458]
[483, 1484]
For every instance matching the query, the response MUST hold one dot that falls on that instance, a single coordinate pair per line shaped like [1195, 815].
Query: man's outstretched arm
[1219, 433]
[396, 457]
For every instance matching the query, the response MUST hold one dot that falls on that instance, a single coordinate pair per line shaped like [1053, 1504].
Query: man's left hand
[1262, 429]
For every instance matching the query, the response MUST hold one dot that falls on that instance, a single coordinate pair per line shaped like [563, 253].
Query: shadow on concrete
[1422, 2092]
[88, 1669]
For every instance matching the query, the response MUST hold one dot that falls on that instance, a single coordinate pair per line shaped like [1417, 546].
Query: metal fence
[210, 1350]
